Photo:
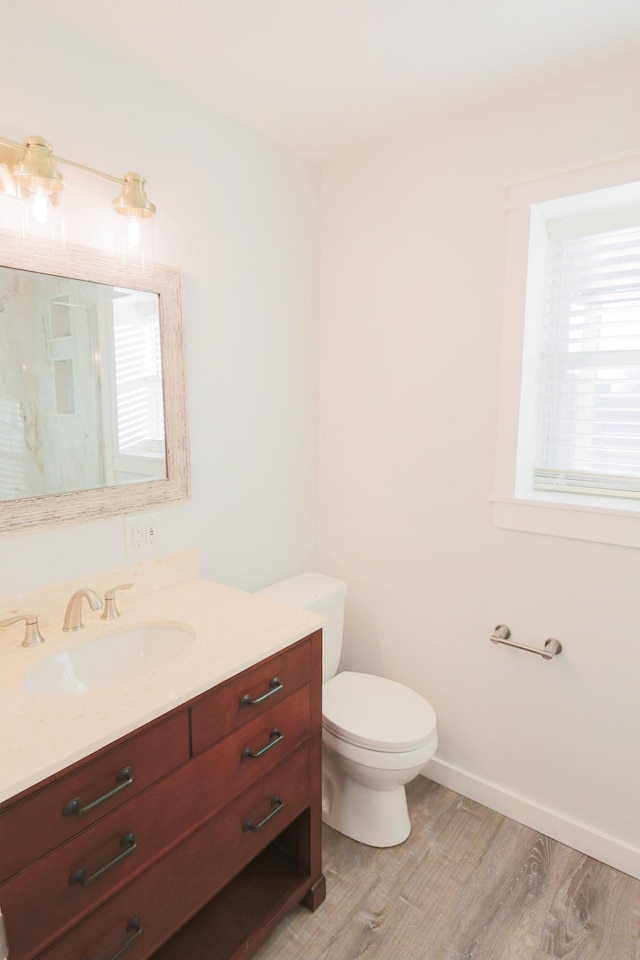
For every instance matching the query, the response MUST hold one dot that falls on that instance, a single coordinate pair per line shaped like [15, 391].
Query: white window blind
[589, 416]
[13, 450]
[140, 413]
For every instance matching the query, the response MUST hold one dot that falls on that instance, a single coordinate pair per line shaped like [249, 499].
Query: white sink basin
[108, 660]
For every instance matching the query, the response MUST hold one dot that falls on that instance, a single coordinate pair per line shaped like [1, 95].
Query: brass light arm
[12, 143]
[69, 163]
[85, 169]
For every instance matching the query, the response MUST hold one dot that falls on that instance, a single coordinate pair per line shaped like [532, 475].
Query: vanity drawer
[227, 770]
[34, 825]
[182, 882]
[251, 693]
[67, 884]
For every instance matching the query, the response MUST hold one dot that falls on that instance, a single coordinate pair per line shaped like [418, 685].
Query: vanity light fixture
[29, 171]
[132, 201]
[37, 170]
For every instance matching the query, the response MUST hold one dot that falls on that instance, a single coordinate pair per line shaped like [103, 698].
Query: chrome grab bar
[550, 650]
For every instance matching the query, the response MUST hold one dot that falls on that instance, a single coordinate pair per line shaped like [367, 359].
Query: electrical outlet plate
[141, 534]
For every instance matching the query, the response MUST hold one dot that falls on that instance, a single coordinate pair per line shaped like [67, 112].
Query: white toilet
[377, 734]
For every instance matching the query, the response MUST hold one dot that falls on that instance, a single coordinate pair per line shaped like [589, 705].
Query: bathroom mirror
[93, 412]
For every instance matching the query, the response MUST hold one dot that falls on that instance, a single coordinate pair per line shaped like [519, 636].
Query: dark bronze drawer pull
[79, 877]
[274, 687]
[73, 809]
[248, 752]
[277, 804]
[134, 927]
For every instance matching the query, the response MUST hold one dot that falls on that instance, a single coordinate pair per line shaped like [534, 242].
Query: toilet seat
[375, 713]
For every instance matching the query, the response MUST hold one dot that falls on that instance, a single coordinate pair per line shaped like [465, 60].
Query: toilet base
[377, 817]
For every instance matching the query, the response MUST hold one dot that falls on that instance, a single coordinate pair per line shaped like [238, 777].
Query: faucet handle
[110, 611]
[32, 636]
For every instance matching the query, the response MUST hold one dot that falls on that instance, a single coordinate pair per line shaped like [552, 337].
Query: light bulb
[41, 210]
[134, 237]
[134, 233]
[42, 218]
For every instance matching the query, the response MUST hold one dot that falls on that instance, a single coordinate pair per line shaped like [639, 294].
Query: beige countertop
[232, 630]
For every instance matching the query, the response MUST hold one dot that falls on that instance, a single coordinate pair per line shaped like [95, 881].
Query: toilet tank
[324, 595]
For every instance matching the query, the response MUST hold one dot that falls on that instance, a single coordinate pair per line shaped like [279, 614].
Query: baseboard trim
[600, 846]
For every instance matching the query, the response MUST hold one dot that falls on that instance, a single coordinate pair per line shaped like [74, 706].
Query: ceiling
[323, 76]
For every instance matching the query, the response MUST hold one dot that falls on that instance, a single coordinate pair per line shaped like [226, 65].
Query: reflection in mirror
[80, 385]
[92, 387]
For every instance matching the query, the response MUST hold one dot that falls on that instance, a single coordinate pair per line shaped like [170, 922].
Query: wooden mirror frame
[78, 506]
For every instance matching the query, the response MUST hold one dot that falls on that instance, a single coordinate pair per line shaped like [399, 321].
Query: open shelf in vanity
[235, 923]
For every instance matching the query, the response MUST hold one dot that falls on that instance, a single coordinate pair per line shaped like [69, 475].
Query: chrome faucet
[73, 616]
[32, 636]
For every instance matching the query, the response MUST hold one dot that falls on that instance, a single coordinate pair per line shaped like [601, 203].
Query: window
[570, 399]
[588, 392]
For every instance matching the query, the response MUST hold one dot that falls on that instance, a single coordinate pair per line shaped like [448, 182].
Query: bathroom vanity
[194, 832]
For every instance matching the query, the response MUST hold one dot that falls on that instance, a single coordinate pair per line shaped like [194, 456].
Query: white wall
[239, 215]
[413, 273]
[413, 251]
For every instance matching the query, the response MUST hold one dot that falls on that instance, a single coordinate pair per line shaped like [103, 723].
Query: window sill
[619, 526]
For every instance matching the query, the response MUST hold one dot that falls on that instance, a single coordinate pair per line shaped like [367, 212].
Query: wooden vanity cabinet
[198, 851]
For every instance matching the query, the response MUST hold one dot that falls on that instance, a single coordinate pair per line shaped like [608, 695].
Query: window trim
[608, 520]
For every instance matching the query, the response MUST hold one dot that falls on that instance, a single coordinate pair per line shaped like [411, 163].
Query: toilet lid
[376, 713]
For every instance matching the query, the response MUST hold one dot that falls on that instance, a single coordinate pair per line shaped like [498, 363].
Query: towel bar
[550, 650]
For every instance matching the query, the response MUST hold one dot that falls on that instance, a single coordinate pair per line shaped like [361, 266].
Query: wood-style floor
[469, 884]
